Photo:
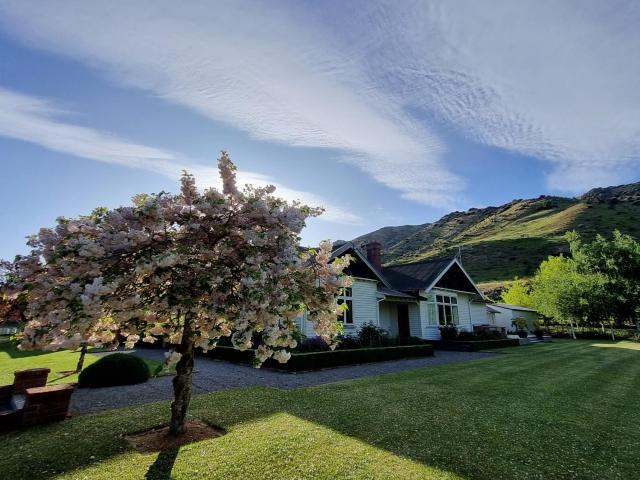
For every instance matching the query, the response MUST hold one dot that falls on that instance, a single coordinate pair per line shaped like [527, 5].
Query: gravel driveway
[214, 375]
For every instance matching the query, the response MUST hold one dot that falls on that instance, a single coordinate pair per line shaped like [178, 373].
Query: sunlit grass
[294, 447]
[560, 410]
[623, 345]
[62, 363]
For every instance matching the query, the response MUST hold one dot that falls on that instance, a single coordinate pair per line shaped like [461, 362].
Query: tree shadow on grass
[61, 375]
[161, 468]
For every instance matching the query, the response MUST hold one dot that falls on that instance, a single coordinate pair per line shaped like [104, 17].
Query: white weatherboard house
[413, 299]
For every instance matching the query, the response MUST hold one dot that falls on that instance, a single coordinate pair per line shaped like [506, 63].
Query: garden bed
[475, 345]
[159, 439]
[300, 362]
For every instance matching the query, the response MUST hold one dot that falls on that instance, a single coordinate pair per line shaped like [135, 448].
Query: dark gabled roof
[347, 247]
[409, 278]
[414, 276]
[342, 248]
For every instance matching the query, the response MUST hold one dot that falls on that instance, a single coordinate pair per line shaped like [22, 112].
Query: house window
[447, 310]
[346, 298]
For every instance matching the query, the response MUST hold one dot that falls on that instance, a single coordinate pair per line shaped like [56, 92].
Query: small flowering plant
[191, 267]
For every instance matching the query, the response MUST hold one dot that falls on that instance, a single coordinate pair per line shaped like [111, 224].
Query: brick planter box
[300, 362]
[33, 377]
[46, 404]
[28, 401]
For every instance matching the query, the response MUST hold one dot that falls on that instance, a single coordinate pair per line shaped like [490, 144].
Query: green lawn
[62, 363]
[560, 410]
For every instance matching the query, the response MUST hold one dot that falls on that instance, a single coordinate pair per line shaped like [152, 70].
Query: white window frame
[347, 315]
[449, 302]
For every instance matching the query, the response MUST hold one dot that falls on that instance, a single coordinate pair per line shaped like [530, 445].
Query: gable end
[454, 277]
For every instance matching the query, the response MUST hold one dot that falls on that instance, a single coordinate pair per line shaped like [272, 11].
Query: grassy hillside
[501, 243]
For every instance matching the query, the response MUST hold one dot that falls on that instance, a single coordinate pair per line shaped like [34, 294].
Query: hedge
[231, 354]
[476, 345]
[115, 369]
[316, 360]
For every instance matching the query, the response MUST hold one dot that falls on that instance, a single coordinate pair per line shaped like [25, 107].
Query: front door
[403, 321]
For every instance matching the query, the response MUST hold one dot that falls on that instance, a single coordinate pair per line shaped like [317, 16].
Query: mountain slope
[501, 243]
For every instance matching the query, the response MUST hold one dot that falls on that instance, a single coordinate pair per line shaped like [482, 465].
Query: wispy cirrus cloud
[252, 65]
[376, 81]
[40, 121]
[36, 120]
[550, 79]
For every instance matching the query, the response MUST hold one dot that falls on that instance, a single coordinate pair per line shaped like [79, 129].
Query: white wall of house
[464, 307]
[365, 304]
[305, 326]
[479, 315]
[364, 308]
[415, 321]
[424, 320]
[389, 317]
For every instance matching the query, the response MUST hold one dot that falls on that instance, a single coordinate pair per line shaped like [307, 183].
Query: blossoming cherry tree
[190, 267]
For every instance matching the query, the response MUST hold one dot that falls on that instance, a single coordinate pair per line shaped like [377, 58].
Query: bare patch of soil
[159, 439]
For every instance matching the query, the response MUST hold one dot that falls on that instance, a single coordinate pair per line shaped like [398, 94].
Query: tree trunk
[83, 352]
[182, 381]
[613, 335]
[573, 330]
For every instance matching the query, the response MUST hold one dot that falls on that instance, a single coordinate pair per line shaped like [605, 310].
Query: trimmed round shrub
[115, 369]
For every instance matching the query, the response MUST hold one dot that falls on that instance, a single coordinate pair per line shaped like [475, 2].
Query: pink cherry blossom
[190, 267]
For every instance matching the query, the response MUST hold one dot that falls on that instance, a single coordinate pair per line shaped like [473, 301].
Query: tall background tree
[597, 285]
[616, 262]
[556, 291]
[518, 293]
[190, 267]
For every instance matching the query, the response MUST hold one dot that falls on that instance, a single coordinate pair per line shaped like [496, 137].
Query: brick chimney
[373, 254]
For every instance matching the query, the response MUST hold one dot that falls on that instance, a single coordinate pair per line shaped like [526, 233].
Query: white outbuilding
[504, 316]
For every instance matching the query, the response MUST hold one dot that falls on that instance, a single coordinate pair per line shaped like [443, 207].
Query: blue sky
[386, 113]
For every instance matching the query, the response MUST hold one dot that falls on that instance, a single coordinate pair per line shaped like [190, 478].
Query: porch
[399, 314]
